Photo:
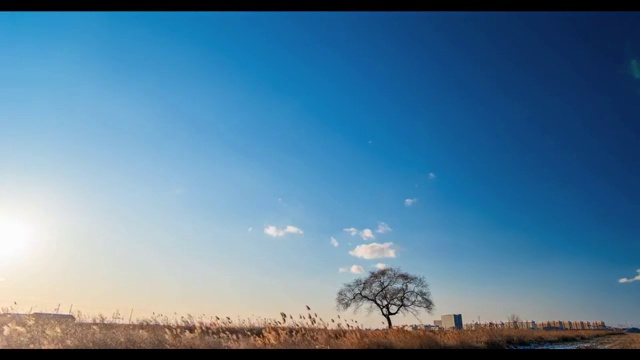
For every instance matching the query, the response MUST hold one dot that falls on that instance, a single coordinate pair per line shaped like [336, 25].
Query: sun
[15, 237]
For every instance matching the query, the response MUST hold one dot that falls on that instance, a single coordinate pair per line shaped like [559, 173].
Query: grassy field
[305, 331]
[627, 341]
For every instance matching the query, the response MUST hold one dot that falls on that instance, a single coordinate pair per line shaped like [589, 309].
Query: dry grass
[301, 331]
[626, 341]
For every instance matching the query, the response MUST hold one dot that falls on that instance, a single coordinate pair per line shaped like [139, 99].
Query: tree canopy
[389, 290]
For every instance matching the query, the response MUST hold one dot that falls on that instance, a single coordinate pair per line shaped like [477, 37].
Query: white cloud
[380, 266]
[383, 228]
[275, 232]
[354, 269]
[629, 280]
[351, 231]
[367, 234]
[334, 242]
[374, 251]
[432, 176]
[409, 202]
[250, 228]
[293, 230]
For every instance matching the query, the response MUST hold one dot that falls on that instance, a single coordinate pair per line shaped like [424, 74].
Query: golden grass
[303, 331]
[626, 341]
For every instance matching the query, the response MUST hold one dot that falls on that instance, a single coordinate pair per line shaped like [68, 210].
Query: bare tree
[389, 290]
[514, 320]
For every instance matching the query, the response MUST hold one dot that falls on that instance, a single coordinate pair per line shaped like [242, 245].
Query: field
[305, 331]
[628, 341]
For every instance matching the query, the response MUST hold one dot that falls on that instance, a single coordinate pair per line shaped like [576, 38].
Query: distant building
[571, 325]
[21, 318]
[452, 321]
[55, 317]
[6, 318]
[529, 325]
[437, 323]
[599, 324]
[477, 326]
[416, 327]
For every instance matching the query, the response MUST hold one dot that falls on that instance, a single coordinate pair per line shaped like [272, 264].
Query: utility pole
[130, 315]
[70, 309]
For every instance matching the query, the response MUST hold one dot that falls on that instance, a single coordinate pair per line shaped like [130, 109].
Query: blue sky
[138, 149]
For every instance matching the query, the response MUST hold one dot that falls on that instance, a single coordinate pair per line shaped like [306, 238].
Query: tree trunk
[389, 321]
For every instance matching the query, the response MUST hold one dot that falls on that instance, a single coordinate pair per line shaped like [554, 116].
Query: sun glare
[15, 237]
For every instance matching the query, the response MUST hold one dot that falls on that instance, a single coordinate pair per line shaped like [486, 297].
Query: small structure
[6, 318]
[53, 317]
[452, 321]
